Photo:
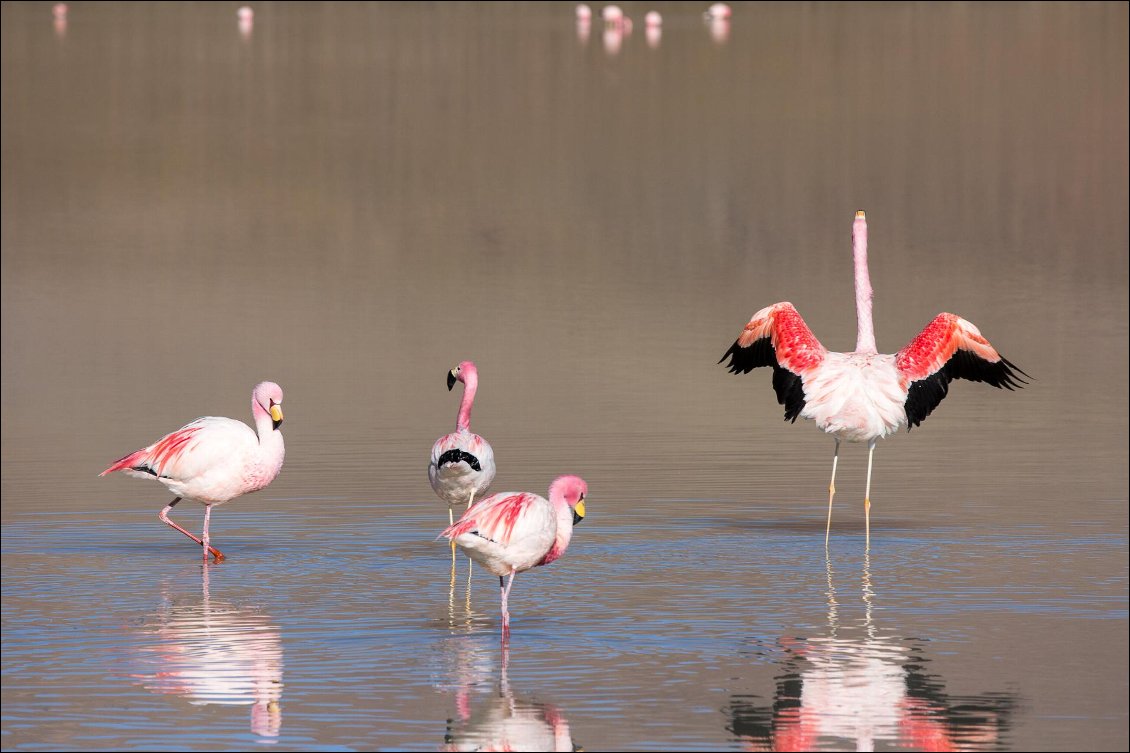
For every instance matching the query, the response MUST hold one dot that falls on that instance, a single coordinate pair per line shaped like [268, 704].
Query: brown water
[350, 199]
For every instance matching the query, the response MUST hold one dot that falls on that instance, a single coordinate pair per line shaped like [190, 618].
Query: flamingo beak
[451, 379]
[579, 512]
[276, 415]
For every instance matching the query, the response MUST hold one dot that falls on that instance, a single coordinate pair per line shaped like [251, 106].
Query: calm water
[350, 199]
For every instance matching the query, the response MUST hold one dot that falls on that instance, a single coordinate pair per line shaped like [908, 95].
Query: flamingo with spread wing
[865, 395]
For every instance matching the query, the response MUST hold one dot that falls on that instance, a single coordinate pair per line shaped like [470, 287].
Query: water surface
[349, 199]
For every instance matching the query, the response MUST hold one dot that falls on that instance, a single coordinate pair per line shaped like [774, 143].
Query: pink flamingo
[214, 460]
[719, 11]
[511, 532]
[864, 395]
[462, 462]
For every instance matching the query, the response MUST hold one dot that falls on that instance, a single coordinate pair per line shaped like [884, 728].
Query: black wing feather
[788, 386]
[924, 395]
[458, 456]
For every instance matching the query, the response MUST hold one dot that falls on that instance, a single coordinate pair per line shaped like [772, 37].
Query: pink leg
[204, 536]
[164, 516]
[505, 603]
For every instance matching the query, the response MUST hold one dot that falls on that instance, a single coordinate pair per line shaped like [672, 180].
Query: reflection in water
[719, 29]
[613, 39]
[866, 690]
[215, 653]
[500, 721]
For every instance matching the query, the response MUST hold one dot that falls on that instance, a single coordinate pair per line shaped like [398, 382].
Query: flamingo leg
[832, 492]
[451, 522]
[867, 493]
[505, 589]
[164, 516]
[470, 562]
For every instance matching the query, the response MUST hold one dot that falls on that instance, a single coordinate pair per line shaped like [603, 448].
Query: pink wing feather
[777, 336]
[157, 457]
[493, 518]
[949, 348]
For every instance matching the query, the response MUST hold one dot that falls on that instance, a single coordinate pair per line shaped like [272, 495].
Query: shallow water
[350, 199]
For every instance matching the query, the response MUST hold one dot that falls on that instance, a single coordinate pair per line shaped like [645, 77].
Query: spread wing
[949, 348]
[777, 336]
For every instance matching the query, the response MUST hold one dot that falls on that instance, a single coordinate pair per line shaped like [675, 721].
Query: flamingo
[462, 463]
[863, 396]
[512, 532]
[213, 460]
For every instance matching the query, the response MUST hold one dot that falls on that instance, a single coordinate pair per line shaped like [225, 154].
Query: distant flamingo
[214, 460]
[719, 11]
[462, 463]
[511, 532]
[864, 395]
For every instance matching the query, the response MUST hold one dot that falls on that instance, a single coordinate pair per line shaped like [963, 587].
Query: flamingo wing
[506, 517]
[195, 449]
[949, 348]
[777, 336]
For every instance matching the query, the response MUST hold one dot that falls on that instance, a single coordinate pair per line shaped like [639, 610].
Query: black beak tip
[450, 381]
[577, 518]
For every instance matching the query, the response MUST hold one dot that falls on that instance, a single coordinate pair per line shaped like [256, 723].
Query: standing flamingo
[864, 395]
[462, 463]
[511, 532]
[214, 460]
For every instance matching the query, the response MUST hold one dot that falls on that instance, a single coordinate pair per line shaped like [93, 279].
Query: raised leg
[832, 492]
[164, 516]
[867, 493]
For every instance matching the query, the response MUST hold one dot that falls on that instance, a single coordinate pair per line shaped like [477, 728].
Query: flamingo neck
[265, 427]
[564, 515]
[263, 468]
[470, 385]
[865, 337]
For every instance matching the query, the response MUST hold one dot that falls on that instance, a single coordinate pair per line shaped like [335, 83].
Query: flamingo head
[465, 372]
[572, 489]
[268, 397]
[859, 229]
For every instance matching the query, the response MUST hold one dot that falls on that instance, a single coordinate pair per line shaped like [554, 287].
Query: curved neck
[264, 425]
[564, 515]
[865, 337]
[470, 384]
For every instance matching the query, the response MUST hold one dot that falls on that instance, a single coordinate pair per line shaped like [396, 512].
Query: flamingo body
[512, 532]
[462, 465]
[213, 460]
[863, 396]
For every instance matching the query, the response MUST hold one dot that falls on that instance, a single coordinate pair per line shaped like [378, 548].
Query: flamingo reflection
[864, 689]
[501, 721]
[213, 652]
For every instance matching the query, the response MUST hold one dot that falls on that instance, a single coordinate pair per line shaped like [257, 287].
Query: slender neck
[564, 515]
[865, 337]
[269, 439]
[269, 459]
[264, 426]
[470, 384]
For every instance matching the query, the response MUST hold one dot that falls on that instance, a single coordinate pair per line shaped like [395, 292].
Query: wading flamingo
[214, 460]
[864, 395]
[462, 463]
[511, 532]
